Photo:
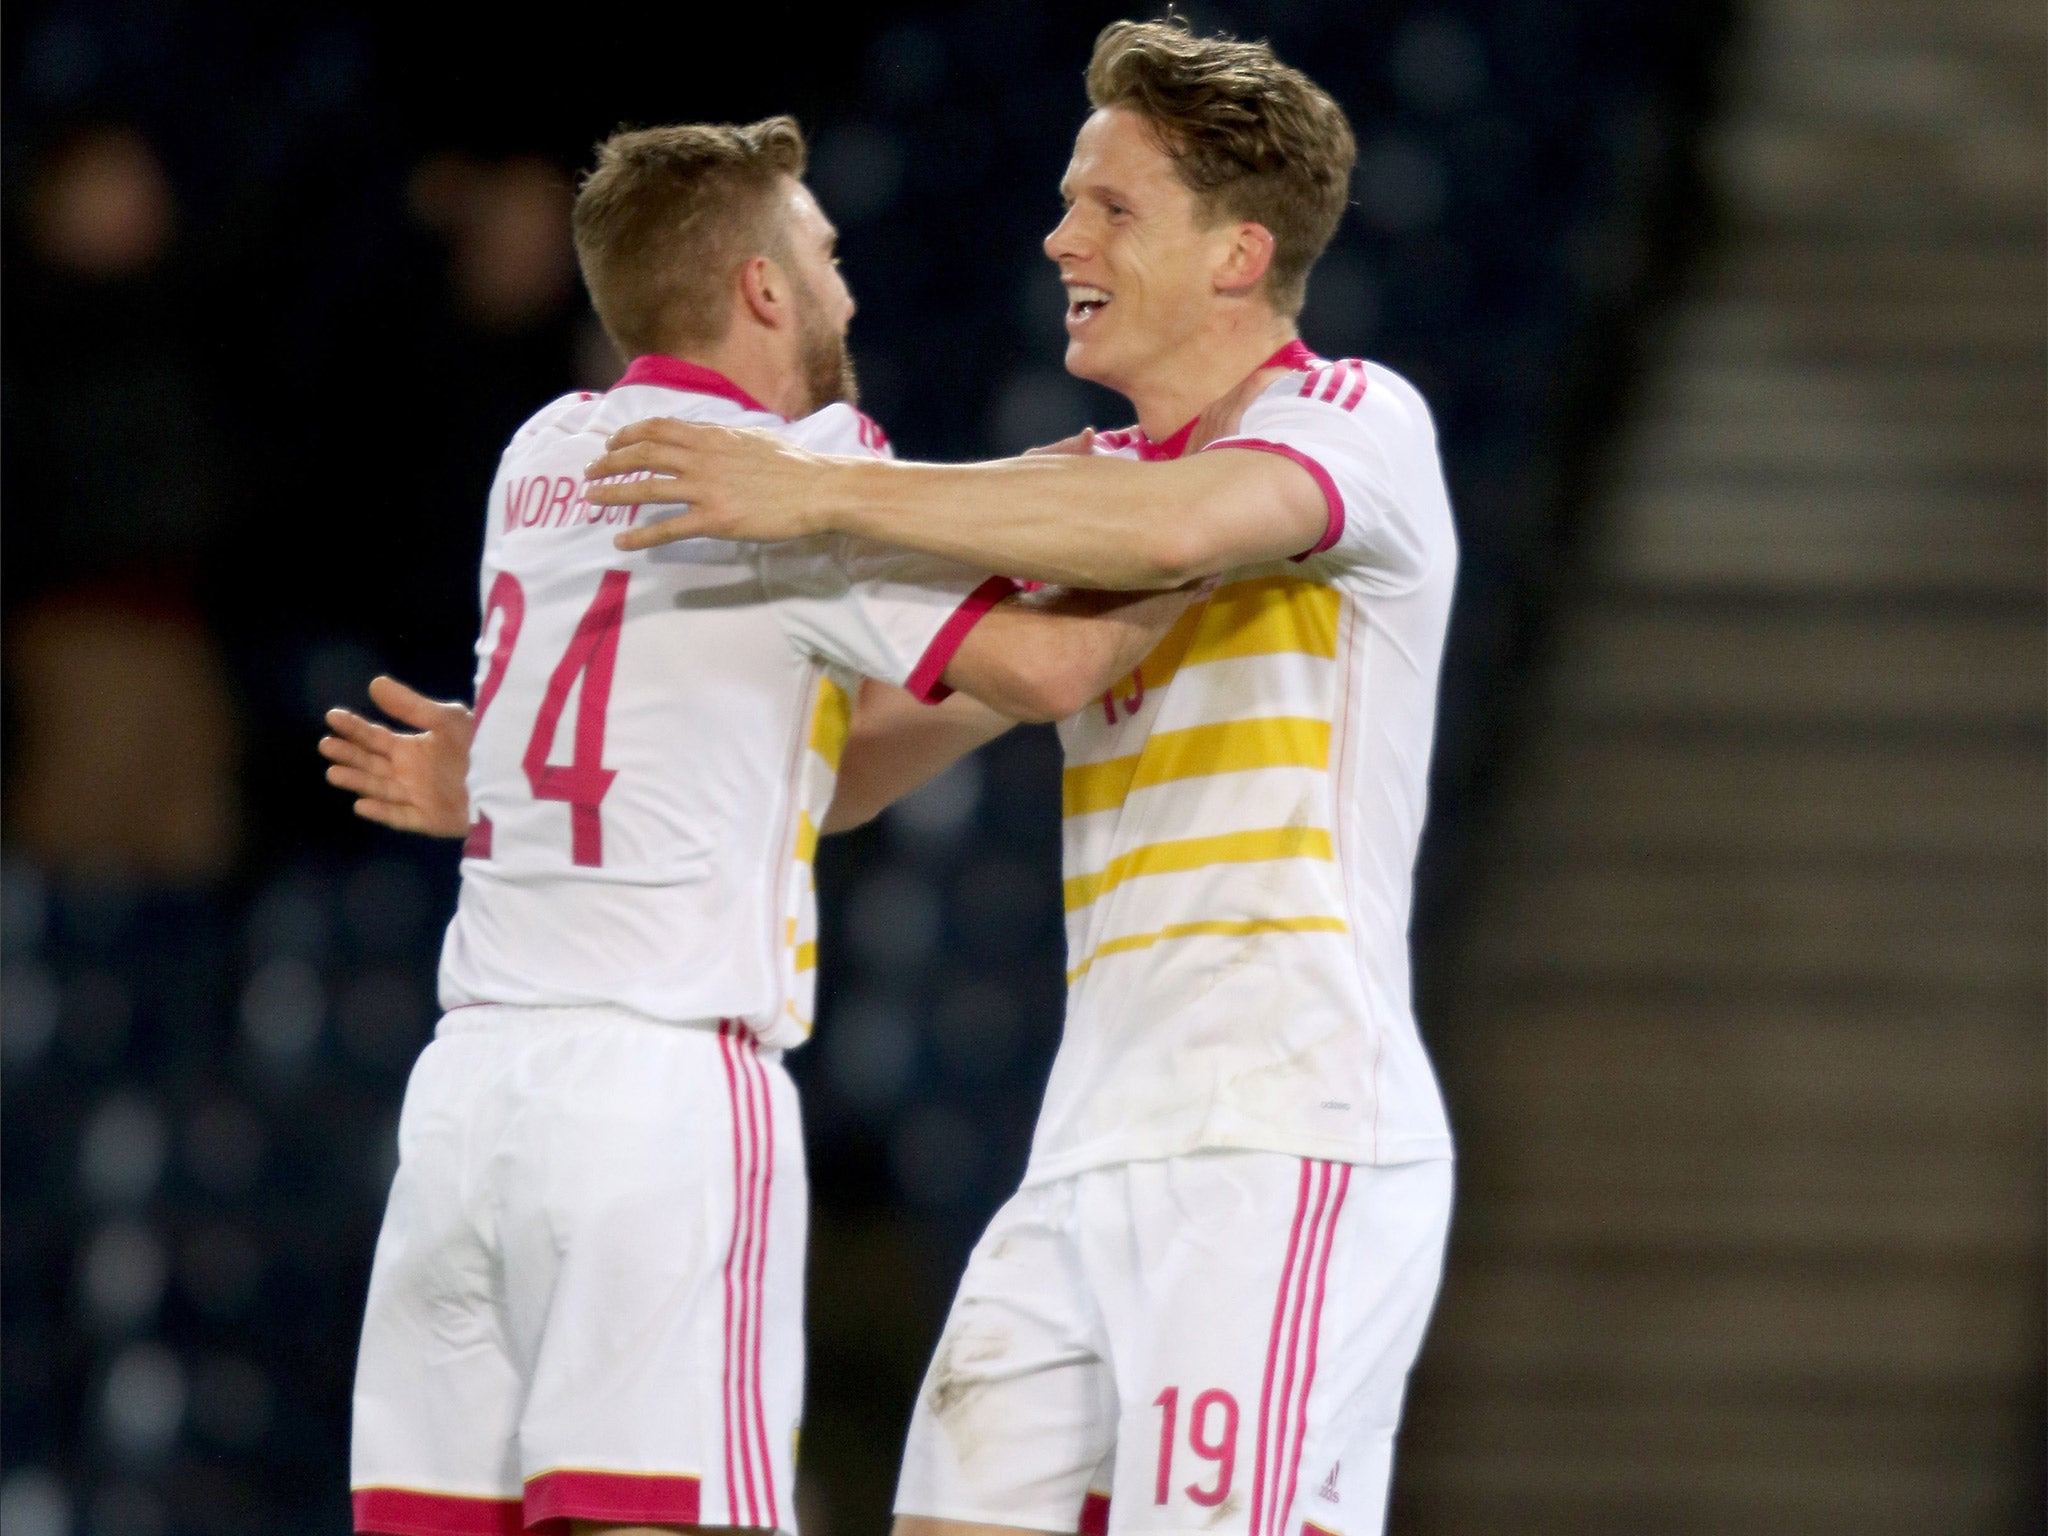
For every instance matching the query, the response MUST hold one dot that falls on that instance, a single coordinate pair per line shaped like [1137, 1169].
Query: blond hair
[665, 217]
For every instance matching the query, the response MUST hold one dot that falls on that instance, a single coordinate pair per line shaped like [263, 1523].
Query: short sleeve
[885, 613]
[1373, 455]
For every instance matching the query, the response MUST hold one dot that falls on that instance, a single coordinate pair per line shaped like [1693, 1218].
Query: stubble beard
[827, 365]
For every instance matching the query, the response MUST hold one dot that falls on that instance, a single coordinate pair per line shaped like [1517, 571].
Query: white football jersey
[658, 733]
[1241, 821]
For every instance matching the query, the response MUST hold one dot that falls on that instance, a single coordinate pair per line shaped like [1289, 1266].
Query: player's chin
[1085, 360]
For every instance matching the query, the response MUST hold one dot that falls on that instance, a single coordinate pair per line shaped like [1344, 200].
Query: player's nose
[1063, 240]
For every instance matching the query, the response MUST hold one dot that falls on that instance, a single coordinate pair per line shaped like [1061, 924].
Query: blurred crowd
[281, 282]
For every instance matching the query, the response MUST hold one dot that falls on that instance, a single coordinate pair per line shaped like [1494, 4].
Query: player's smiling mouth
[1084, 302]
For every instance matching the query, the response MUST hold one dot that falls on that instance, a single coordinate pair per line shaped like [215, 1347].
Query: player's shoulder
[1340, 394]
[840, 428]
[565, 414]
[584, 410]
[631, 402]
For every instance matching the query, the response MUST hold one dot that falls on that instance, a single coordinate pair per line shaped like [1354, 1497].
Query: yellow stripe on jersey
[1183, 854]
[1267, 616]
[806, 838]
[1233, 746]
[1223, 926]
[806, 957]
[831, 719]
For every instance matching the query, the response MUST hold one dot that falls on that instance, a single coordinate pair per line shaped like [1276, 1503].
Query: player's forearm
[1044, 656]
[1096, 523]
[897, 745]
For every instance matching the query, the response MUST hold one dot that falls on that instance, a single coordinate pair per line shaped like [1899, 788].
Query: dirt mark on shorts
[959, 1374]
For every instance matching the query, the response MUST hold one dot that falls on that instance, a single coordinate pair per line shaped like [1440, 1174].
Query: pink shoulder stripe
[923, 683]
[1341, 384]
[1357, 391]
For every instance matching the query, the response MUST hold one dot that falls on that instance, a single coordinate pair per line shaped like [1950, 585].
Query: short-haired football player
[1203, 1303]
[586, 1304]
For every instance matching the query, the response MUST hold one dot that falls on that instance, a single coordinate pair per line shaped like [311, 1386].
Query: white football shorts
[1216, 1342]
[587, 1299]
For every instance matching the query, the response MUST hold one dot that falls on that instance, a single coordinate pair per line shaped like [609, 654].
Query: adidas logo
[1329, 1488]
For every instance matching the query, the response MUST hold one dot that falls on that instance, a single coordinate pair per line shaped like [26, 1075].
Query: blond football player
[586, 1303]
[1200, 1310]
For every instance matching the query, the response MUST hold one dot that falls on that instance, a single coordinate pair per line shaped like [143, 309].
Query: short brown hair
[666, 215]
[1250, 137]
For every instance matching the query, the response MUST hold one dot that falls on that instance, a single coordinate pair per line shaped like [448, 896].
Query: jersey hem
[1361, 1153]
[464, 1017]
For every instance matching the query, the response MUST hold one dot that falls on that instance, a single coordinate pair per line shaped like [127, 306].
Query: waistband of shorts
[471, 1017]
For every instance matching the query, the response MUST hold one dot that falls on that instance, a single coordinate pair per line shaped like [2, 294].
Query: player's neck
[755, 365]
[1179, 386]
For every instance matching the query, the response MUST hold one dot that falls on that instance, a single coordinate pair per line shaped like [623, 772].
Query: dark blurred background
[1731, 920]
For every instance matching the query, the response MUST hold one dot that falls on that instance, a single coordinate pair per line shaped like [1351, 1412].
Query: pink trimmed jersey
[1241, 817]
[658, 734]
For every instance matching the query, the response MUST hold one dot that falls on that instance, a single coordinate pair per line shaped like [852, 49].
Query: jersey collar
[1294, 355]
[693, 378]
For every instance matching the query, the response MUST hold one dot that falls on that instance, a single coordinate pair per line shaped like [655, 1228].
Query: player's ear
[1245, 259]
[765, 291]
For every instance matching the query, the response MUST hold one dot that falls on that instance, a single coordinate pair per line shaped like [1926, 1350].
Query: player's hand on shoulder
[412, 781]
[737, 482]
[1224, 416]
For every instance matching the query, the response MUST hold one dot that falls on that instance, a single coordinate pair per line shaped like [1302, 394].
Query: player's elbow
[1055, 700]
[1045, 684]
[1036, 700]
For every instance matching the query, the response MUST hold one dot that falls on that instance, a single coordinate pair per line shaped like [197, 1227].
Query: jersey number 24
[592, 654]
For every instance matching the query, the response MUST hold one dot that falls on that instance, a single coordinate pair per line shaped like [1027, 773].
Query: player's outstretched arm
[409, 780]
[898, 744]
[1084, 522]
[1043, 655]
